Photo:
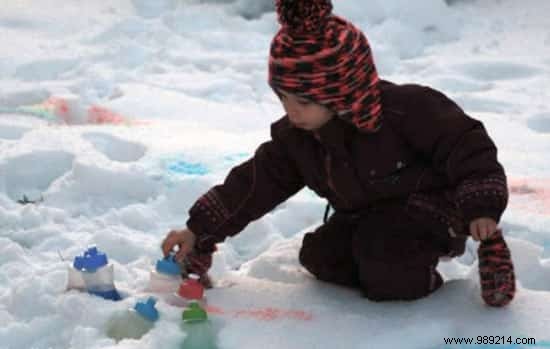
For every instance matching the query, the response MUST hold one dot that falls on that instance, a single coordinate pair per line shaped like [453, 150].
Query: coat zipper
[328, 161]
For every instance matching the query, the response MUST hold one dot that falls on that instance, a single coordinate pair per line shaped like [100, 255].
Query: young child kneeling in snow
[410, 176]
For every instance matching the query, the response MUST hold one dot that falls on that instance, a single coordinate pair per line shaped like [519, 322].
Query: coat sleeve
[459, 147]
[249, 191]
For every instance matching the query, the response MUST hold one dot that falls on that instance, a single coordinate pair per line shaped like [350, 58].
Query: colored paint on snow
[235, 157]
[30, 111]
[178, 165]
[530, 194]
[263, 314]
[186, 168]
[70, 112]
[101, 115]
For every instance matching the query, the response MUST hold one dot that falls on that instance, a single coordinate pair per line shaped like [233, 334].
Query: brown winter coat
[429, 158]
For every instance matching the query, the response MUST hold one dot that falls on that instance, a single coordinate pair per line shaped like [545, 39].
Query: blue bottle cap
[168, 266]
[91, 260]
[147, 309]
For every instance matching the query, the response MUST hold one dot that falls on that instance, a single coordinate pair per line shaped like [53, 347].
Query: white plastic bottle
[75, 280]
[166, 277]
[133, 323]
[97, 274]
[198, 328]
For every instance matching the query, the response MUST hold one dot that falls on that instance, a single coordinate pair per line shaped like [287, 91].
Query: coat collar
[335, 133]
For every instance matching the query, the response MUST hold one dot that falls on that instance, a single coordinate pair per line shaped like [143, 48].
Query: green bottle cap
[194, 312]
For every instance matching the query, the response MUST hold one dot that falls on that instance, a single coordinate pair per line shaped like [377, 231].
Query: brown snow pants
[387, 252]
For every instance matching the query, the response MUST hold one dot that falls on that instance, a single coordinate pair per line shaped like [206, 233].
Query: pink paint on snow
[101, 115]
[530, 194]
[59, 107]
[263, 314]
[66, 111]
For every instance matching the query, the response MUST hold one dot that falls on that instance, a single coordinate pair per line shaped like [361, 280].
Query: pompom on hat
[323, 57]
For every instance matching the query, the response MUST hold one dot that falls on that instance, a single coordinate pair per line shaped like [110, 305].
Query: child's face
[304, 113]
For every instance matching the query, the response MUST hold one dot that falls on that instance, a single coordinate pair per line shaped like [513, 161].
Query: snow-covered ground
[189, 80]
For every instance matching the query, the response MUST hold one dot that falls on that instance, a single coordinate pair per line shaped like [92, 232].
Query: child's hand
[482, 228]
[184, 239]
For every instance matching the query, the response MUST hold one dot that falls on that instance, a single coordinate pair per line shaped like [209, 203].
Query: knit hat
[323, 57]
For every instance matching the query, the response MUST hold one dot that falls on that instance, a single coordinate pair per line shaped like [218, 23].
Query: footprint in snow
[114, 148]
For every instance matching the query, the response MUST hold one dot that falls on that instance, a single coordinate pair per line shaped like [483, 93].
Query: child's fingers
[474, 232]
[483, 230]
[492, 226]
[487, 228]
[183, 239]
[171, 240]
[185, 248]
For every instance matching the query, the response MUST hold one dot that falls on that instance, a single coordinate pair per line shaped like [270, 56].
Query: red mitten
[496, 271]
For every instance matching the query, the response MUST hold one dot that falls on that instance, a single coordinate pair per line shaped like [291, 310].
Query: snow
[164, 97]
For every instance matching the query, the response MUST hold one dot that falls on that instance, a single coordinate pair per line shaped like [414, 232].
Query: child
[408, 173]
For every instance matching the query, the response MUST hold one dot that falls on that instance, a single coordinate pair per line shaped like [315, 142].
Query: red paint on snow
[95, 114]
[263, 314]
[59, 107]
[101, 115]
[530, 194]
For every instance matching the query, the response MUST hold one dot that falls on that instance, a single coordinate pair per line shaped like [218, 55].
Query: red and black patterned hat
[323, 57]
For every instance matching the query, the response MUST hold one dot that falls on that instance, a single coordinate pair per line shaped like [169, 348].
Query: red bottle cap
[191, 288]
